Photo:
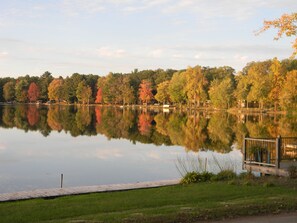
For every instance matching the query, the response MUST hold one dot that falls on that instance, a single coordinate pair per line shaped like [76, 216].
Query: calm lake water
[106, 145]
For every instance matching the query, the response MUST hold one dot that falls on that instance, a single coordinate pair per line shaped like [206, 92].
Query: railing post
[244, 150]
[278, 146]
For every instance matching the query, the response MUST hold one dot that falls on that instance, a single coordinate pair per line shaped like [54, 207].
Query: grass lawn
[179, 203]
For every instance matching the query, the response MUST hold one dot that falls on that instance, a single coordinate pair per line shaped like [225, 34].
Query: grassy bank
[179, 203]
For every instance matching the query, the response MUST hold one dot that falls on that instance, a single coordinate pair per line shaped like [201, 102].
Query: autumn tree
[195, 85]
[99, 96]
[286, 25]
[288, 95]
[277, 82]
[9, 91]
[260, 81]
[176, 88]
[242, 89]
[145, 91]
[55, 89]
[163, 92]
[33, 92]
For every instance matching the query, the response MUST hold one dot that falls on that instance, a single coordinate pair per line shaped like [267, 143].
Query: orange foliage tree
[99, 96]
[286, 25]
[33, 92]
[145, 91]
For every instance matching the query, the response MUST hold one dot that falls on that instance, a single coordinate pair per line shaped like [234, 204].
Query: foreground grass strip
[166, 204]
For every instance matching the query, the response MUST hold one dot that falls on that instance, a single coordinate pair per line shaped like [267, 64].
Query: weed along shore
[199, 196]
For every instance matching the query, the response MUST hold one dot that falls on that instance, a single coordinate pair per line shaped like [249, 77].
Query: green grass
[166, 204]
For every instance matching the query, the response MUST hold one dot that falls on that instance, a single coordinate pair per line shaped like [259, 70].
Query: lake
[95, 145]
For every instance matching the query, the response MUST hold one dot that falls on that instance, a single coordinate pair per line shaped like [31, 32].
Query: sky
[102, 36]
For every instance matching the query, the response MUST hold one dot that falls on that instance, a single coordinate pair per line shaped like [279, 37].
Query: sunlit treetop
[286, 25]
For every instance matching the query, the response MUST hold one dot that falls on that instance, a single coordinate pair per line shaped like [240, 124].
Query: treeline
[194, 131]
[264, 84]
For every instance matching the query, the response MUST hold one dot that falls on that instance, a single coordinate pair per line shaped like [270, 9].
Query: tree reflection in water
[196, 131]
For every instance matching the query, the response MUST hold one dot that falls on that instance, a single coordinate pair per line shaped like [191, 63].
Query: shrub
[225, 175]
[247, 176]
[195, 177]
[190, 177]
[268, 184]
[206, 176]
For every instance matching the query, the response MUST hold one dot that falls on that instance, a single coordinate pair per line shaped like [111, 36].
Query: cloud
[156, 53]
[3, 54]
[214, 9]
[230, 48]
[110, 52]
[2, 147]
[108, 153]
[77, 7]
[241, 58]
[154, 155]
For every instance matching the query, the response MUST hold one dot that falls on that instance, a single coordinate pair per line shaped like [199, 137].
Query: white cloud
[241, 58]
[156, 53]
[177, 56]
[2, 147]
[110, 52]
[154, 155]
[214, 9]
[108, 153]
[77, 7]
[197, 56]
[3, 54]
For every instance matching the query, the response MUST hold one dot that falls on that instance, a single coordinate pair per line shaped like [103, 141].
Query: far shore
[165, 107]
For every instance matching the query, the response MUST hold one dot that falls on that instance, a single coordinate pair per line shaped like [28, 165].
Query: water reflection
[38, 143]
[216, 131]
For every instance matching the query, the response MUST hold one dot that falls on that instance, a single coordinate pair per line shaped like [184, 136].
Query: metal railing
[269, 151]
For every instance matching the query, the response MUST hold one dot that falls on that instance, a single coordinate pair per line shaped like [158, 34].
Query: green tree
[83, 93]
[21, 88]
[221, 93]
[9, 91]
[44, 81]
[111, 88]
[70, 86]
[127, 91]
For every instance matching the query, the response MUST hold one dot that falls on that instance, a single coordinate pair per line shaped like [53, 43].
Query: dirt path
[281, 218]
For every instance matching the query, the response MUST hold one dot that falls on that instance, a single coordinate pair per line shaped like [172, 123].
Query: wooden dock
[57, 192]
